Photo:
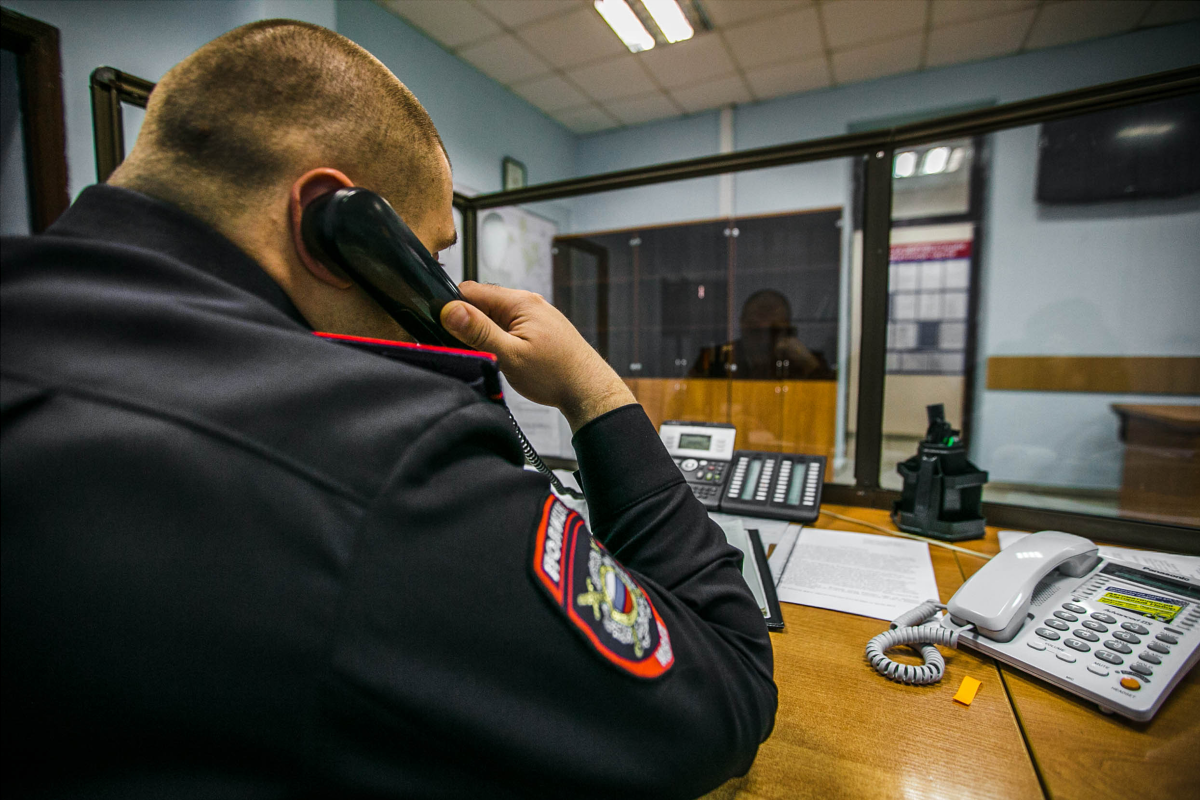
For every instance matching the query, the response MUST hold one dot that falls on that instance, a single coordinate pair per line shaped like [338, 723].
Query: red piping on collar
[410, 345]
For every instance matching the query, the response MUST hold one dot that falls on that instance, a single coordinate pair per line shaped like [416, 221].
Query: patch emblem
[598, 595]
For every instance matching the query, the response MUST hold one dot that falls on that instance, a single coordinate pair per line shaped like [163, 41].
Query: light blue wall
[830, 112]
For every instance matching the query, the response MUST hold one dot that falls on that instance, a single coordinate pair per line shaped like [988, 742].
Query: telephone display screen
[796, 485]
[752, 479]
[1159, 607]
[694, 441]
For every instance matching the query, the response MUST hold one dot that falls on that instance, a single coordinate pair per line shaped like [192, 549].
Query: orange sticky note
[967, 690]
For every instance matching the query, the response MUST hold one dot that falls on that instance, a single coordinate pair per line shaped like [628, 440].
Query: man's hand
[540, 352]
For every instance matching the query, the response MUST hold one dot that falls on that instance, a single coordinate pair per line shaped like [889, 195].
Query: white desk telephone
[1117, 634]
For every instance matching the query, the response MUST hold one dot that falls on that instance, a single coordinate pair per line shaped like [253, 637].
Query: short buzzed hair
[254, 106]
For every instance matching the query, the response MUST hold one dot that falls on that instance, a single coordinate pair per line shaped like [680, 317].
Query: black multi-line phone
[747, 482]
[358, 232]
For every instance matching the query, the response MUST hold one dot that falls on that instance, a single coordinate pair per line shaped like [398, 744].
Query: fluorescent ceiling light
[670, 19]
[906, 164]
[1136, 131]
[957, 155]
[625, 24]
[935, 161]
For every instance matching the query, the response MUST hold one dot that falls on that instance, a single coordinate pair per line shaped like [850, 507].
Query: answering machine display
[778, 485]
[702, 451]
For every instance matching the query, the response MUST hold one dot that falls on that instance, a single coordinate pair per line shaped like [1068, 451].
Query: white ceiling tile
[712, 94]
[607, 80]
[947, 12]
[790, 78]
[784, 38]
[851, 22]
[588, 119]
[550, 93]
[1164, 12]
[633, 110]
[1074, 21]
[573, 39]
[515, 13]
[451, 22]
[505, 59]
[975, 41]
[687, 63]
[724, 13]
[877, 60]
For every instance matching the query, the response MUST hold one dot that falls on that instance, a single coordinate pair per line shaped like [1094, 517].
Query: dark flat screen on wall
[1150, 150]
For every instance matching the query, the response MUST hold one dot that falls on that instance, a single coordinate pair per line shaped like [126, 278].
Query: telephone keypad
[1120, 647]
[1087, 636]
[1125, 636]
[1091, 624]
[1075, 644]
[1133, 627]
[1159, 648]
[1057, 624]
[1105, 618]
[1045, 633]
[1066, 616]
[1111, 658]
[1078, 609]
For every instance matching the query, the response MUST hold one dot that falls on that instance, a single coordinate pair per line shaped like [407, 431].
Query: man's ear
[309, 187]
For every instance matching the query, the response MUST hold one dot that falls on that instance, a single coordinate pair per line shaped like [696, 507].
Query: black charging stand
[943, 491]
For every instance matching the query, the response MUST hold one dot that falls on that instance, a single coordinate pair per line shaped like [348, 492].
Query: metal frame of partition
[111, 87]
[876, 149]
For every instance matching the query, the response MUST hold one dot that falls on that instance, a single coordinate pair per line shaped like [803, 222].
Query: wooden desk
[843, 730]
[1161, 476]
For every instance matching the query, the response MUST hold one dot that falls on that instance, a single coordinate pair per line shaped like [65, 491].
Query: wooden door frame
[39, 73]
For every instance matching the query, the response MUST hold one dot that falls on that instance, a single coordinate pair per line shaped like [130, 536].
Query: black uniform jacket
[241, 560]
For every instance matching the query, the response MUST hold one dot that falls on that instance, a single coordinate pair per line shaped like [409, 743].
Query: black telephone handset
[358, 232]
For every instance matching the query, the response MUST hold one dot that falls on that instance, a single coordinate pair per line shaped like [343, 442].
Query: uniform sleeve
[489, 644]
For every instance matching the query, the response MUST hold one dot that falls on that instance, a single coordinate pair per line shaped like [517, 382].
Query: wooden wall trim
[1179, 375]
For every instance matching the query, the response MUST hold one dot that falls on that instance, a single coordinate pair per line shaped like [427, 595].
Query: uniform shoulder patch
[597, 594]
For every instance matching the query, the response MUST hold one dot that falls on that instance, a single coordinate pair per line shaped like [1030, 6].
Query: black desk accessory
[943, 491]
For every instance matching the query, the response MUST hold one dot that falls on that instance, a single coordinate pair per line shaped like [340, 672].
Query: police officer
[241, 560]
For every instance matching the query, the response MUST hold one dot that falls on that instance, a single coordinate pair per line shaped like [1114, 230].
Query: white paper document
[860, 573]
[1182, 566]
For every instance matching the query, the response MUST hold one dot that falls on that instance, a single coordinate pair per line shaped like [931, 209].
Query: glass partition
[733, 318]
[1077, 379]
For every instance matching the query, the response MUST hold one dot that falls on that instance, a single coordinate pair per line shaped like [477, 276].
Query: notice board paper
[859, 573]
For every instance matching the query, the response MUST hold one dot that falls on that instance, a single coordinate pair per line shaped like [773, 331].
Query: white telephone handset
[1119, 634]
[996, 598]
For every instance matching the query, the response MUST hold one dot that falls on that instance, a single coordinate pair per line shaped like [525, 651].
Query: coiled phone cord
[534, 460]
[916, 627]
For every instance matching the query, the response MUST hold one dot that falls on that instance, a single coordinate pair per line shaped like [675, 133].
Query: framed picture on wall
[512, 174]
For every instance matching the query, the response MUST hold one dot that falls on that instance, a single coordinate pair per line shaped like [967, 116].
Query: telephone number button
[1087, 636]
[1120, 647]
[1046, 634]
[1057, 624]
